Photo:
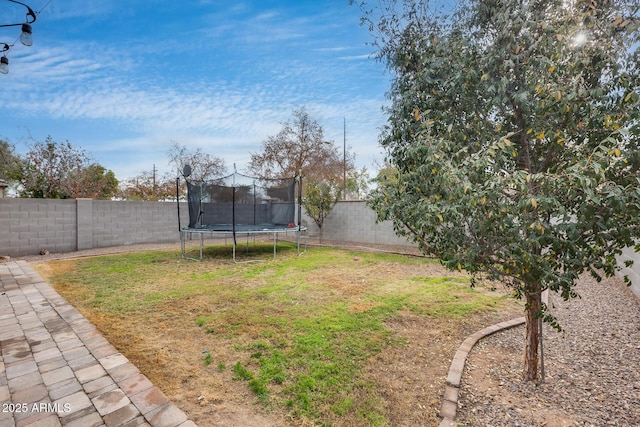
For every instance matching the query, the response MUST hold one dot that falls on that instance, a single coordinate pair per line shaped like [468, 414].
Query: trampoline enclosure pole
[233, 214]
[178, 201]
[298, 230]
[299, 199]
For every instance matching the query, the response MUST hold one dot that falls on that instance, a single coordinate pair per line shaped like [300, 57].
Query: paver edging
[450, 400]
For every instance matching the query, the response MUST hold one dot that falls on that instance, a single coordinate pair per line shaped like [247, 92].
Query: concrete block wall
[354, 221]
[84, 224]
[28, 226]
[118, 223]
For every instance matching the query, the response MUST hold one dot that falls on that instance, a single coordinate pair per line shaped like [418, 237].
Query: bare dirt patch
[412, 377]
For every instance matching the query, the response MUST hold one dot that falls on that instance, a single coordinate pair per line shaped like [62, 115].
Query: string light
[4, 65]
[25, 37]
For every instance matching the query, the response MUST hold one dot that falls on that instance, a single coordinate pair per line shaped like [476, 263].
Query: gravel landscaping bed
[592, 367]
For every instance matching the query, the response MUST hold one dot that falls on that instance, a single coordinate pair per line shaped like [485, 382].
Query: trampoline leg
[184, 235]
[275, 242]
[234, 252]
[298, 235]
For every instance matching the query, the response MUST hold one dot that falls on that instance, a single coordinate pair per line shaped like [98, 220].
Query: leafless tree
[204, 167]
[149, 186]
[299, 146]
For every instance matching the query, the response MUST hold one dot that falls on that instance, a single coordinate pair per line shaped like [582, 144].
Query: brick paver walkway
[56, 368]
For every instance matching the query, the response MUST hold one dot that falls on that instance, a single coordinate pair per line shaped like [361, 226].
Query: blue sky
[125, 79]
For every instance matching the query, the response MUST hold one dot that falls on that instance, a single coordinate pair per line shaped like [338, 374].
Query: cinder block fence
[28, 226]
[354, 221]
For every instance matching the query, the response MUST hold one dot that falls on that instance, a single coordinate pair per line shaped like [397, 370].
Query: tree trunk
[532, 339]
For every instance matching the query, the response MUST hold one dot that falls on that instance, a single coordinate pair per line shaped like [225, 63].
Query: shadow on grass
[245, 251]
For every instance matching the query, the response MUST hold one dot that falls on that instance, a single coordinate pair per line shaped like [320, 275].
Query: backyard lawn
[333, 337]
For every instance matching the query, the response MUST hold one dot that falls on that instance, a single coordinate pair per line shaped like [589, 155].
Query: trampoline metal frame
[298, 230]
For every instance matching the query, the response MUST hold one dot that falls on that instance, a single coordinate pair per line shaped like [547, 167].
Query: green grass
[207, 360]
[304, 327]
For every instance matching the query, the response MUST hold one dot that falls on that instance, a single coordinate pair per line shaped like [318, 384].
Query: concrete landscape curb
[452, 387]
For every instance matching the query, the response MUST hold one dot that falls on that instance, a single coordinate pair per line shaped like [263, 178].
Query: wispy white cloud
[331, 49]
[356, 57]
[241, 78]
[78, 8]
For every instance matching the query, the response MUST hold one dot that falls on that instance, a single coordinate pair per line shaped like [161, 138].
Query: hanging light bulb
[4, 65]
[25, 37]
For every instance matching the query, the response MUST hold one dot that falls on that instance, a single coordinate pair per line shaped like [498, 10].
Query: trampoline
[240, 205]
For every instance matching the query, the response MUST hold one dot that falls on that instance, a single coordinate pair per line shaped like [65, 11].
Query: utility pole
[344, 160]
[154, 179]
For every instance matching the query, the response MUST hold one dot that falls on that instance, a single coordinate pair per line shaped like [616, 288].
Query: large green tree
[513, 136]
[358, 183]
[94, 181]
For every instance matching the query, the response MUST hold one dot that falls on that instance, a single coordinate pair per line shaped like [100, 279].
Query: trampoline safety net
[238, 203]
